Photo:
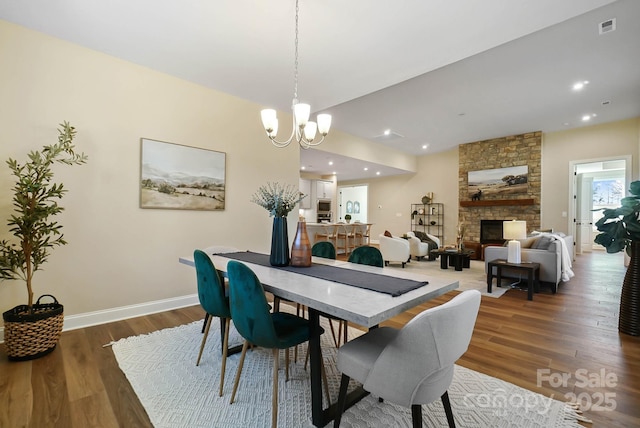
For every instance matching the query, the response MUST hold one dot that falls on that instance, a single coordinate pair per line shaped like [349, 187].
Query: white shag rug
[472, 278]
[175, 393]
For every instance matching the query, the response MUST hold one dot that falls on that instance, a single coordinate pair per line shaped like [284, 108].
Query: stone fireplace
[514, 150]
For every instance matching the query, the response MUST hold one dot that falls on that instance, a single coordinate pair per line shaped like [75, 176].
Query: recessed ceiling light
[366, 169]
[387, 131]
[425, 146]
[578, 86]
[586, 118]
[330, 162]
[334, 173]
[378, 173]
[303, 167]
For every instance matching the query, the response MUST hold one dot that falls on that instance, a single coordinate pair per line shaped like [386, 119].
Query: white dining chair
[414, 365]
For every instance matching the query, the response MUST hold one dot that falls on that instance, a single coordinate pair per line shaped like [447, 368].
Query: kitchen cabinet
[324, 189]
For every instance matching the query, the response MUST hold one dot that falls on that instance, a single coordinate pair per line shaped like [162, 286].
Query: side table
[532, 269]
[457, 259]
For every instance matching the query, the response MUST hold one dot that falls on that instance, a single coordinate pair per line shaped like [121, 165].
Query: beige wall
[119, 254]
[582, 144]
[390, 198]
[438, 173]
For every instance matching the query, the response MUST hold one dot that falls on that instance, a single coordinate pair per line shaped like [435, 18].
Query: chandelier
[303, 130]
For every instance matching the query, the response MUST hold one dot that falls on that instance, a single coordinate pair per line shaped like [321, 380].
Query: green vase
[279, 255]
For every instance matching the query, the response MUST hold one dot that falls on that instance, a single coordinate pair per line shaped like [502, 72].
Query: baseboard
[88, 319]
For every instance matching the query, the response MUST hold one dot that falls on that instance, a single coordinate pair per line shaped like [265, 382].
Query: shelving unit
[428, 218]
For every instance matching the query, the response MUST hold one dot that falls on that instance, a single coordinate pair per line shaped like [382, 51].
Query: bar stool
[329, 233]
[345, 236]
[363, 234]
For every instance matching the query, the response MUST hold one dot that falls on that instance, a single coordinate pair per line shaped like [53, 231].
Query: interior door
[584, 214]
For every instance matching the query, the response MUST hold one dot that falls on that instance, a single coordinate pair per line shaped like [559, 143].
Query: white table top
[363, 307]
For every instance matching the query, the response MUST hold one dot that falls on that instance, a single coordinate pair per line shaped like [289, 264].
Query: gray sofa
[546, 249]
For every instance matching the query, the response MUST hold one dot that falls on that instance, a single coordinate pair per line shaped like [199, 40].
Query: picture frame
[174, 176]
[508, 180]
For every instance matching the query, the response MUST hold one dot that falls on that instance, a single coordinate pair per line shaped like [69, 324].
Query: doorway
[353, 200]
[596, 184]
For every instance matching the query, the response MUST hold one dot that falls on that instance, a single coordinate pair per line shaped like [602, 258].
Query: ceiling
[436, 73]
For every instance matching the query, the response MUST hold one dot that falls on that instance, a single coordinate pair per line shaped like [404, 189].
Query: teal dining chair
[213, 299]
[324, 249]
[367, 255]
[258, 326]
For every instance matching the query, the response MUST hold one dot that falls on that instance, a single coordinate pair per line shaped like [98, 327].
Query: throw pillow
[542, 243]
[527, 242]
[387, 233]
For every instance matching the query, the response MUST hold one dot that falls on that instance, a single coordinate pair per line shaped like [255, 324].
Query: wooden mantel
[496, 202]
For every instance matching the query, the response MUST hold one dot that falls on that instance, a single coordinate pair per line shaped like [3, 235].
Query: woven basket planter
[32, 335]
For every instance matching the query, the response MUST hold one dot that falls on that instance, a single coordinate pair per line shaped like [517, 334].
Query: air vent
[607, 26]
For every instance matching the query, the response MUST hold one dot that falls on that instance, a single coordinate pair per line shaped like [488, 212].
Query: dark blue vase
[279, 243]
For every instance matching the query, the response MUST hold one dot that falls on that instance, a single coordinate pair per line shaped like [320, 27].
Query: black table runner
[367, 280]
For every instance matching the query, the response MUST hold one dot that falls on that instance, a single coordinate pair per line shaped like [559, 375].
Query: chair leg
[416, 415]
[206, 326]
[342, 400]
[336, 339]
[274, 399]
[206, 318]
[239, 371]
[286, 364]
[345, 338]
[447, 409]
[225, 348]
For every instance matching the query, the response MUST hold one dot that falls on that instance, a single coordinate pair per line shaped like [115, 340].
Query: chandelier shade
[303, 130]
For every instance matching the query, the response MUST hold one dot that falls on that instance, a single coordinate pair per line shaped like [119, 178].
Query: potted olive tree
[33, 330]
[620, 230]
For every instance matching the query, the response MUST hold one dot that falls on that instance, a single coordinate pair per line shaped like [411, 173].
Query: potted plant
[620, 230]
[33, 330]
[347, 218]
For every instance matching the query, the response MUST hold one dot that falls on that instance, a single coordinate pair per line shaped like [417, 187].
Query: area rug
[175, 393]
[472, 278]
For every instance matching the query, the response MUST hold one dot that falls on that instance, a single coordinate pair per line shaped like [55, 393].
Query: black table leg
[315, 356]
[320, 417]
[444, 261]
[489, 278]
[457, 262]
[530, 284]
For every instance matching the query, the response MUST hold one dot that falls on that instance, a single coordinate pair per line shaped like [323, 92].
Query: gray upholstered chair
[414, 365]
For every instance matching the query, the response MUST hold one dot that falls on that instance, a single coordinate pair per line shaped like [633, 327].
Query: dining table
[337, 297]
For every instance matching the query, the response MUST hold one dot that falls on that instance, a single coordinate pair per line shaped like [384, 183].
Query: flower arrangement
[278, 199]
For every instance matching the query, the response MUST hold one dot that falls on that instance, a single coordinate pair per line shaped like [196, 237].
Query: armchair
[417, 248]
[394, 249]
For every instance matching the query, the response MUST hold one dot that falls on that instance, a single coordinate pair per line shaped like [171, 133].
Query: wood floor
[573, 333]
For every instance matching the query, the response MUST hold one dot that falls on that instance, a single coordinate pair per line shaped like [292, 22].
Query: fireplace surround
[491, 232]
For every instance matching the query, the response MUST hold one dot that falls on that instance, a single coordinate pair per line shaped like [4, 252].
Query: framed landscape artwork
[179, 177]
[501, 180]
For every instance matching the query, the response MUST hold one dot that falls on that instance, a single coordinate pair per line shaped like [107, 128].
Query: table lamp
[514, 230]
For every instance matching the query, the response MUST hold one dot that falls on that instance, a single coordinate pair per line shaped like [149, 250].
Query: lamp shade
[514, 229]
